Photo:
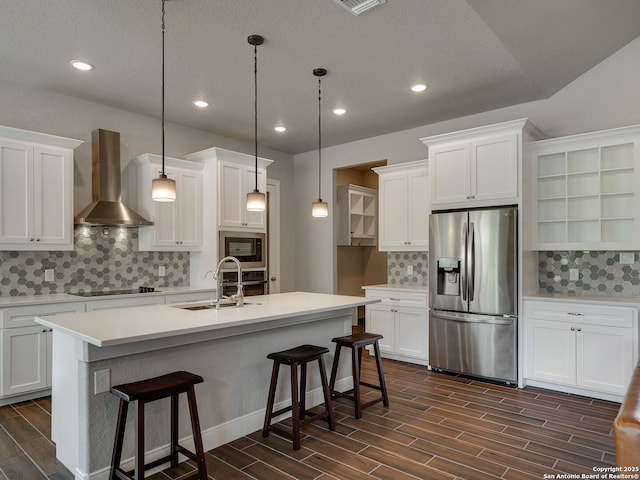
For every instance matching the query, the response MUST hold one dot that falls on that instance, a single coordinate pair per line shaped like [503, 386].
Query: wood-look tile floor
[436, 427]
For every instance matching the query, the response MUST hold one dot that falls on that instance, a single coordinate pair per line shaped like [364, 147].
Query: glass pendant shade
[256, 201]
[163, 189]
[320, 209]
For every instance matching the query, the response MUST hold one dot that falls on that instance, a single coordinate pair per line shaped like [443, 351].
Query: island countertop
[135, 324]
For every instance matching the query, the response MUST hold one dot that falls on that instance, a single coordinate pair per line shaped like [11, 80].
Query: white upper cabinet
[36, 190]
[586, 194]
[404, 206]
[356, 209]
[476, 167]
[177, 226]
[235, 181]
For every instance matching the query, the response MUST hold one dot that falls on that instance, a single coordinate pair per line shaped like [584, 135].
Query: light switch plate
[49, 275]
[102, 381]
[574, 274]
[627, 258]
[162, 271]
[409, 269]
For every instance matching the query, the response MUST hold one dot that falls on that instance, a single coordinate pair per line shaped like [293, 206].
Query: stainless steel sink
[210, 305]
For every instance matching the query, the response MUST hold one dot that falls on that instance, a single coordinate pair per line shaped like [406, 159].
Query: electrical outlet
[573, 274]
[409, 269]
[162, 271]
[49, 275]
[102, 381]
[627, 258]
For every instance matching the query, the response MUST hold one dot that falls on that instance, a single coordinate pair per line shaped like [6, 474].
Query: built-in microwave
[247, 247]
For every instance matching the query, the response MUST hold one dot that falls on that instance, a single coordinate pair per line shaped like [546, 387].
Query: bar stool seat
[145, 391]
[356, 343]
[300, 416]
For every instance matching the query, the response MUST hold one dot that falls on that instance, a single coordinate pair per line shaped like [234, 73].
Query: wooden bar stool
[145, 391]
[300, 416]
[356, 343]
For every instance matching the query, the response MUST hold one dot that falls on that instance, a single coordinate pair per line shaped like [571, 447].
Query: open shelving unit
[357, 215]
[587, 194]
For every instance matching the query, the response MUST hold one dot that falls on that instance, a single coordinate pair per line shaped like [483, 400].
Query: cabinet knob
[579, 329]
[31, 239]
[273, 279]
[573, 329]
[37, 239]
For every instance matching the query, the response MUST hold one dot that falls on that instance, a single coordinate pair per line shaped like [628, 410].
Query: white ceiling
[476, 55]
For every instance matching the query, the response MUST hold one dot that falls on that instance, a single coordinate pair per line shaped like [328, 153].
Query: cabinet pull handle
[576, 314]
[394, 299]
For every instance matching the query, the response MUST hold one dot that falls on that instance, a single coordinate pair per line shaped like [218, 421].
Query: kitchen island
[227, 347]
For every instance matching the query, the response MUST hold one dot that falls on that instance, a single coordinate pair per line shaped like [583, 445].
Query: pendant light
[319, 208]
[256, 200]
[163, 189]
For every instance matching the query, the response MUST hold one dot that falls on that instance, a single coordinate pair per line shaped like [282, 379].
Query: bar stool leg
[355, 367]
[117, 449]
[174, 430]
[295, 407]
[303, 390]
[334, 369]
[270, 401]
[139, 462]
[197, 435]
[383, 384]
[327, 394]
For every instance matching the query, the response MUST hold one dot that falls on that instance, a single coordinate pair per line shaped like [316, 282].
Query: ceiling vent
[358, 7]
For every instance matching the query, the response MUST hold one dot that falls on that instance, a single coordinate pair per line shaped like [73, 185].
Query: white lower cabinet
[26, 347]
[580, 348]
[401, 318]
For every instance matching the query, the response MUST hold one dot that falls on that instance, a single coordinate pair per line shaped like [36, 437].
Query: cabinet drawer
[394, 297]
[605, 315]
[190, 297]
[13, 317]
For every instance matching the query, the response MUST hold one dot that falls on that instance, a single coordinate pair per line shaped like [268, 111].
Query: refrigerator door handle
[471, 273]
[463, 267]
[467, 319]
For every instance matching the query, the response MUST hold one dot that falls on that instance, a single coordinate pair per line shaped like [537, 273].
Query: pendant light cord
[163, 175]
[319, 138]
[255, 106]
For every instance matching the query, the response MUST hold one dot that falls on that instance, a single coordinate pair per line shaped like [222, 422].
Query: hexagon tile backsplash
[599, 273]
[98, 261]
[397, 263]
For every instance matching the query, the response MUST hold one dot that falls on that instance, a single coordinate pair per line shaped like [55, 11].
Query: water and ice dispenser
[448, 276]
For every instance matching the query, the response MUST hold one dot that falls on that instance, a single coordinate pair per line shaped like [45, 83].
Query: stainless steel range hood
[106, 207]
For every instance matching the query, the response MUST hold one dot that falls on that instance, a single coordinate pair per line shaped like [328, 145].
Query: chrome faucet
[239, 296]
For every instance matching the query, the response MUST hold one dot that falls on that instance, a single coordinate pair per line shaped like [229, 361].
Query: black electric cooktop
[100, 293]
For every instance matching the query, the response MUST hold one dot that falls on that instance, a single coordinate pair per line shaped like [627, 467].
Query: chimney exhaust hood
[106, 207]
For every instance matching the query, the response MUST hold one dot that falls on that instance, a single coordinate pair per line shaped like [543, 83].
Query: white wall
[57, 114]
[606, 96]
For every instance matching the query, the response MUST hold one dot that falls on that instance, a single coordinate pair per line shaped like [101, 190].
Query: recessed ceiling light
[200, 103]
[418, 87]
[339, 111]
[280, 128]
[80, 65]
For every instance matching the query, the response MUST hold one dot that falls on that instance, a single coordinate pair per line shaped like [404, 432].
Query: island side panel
[231, 401]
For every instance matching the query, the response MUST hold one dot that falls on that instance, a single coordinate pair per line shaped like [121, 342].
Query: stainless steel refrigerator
[473, 292]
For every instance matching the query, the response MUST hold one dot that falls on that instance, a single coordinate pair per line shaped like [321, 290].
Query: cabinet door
[381, 319]
[450, 172]
[393, 222]
[231, 195]
[419, 207]
[24, 360]
[53, 197]
[165, 223]
[124, 302]
[605, 359]
[494, 168]
[190, 229]
[16, 193]
[254, 220]
[412, 332]
[550, 351]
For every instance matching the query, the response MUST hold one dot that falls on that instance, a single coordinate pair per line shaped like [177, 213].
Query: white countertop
[593, 299]
[24, 300]
[399, 288]
[134, 324]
